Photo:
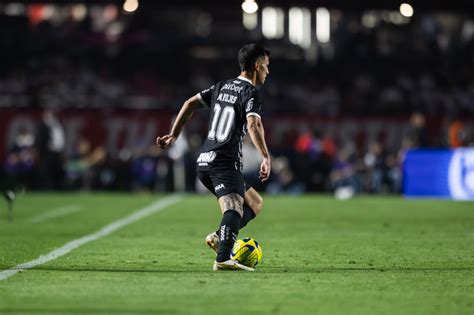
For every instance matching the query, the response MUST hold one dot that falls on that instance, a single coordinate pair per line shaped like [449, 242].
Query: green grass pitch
[368, 255]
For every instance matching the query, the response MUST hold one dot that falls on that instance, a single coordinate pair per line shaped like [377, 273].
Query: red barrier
[115, 130]
[131, 128]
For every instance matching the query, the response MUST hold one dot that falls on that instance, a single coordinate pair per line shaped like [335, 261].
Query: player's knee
[257, 204]
[232, 202]
[240, 213]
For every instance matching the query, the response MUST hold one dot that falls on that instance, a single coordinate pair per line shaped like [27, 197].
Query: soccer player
[235, 106]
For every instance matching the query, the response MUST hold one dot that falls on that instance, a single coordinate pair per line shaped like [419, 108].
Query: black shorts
[222, 182]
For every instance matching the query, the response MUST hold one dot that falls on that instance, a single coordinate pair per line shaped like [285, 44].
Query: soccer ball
[247, 251]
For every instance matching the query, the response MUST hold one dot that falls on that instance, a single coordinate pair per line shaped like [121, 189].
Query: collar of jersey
[244, 79]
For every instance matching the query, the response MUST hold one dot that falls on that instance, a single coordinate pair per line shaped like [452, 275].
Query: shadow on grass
[196, 269]
[31, 310]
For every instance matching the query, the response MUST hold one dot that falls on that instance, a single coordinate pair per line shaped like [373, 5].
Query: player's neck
[252, 77]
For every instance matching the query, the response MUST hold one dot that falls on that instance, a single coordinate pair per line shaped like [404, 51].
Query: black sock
[248, 215]
[227, 234]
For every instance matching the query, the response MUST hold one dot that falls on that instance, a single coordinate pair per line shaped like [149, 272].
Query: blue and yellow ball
[247, 251]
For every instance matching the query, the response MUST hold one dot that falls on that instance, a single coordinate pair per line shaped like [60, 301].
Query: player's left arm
[257, 135]
[256, 131]
[184, 115]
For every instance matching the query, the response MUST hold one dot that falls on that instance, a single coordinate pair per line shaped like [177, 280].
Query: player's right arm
[202, 99]
[184, 115]
[257, 134]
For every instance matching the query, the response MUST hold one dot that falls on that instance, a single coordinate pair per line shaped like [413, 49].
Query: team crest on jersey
[249, 105]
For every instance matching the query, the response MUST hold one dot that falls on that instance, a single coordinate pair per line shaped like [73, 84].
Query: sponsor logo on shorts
[206, 157]
[219, 187]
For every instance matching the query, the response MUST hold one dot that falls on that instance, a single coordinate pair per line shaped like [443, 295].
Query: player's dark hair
[249, 54]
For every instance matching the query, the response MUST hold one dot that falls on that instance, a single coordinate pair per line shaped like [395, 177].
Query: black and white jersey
[230, 102]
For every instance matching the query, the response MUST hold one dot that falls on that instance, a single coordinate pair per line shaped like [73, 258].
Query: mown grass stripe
[58, 212]
[106, 230]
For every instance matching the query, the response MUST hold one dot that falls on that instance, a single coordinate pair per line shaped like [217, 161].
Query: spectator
[417, 132]
[283, 179]
[82, 167]
[457, 136]
[50, 146]
[20, 162]
[343, 173]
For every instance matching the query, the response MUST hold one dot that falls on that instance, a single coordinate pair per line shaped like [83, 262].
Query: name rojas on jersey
[231, 99]
[223, 97]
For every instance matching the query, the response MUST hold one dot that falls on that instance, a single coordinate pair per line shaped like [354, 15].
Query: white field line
[106, 230]
[58, 212]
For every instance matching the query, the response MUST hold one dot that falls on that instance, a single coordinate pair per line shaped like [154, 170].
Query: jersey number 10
[221, 123]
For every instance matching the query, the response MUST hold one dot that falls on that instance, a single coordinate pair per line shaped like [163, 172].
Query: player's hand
[265, 169]
[165, 141]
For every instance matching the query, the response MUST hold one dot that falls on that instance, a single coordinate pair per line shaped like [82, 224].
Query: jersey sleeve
[253, 106]
[205, 96]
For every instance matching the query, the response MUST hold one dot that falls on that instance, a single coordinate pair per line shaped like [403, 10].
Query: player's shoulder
[245, 83]
[243, 86]
[240, 85]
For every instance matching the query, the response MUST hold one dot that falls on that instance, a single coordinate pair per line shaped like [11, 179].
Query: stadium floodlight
[130, 5]
[406, 10]
[396, 18]
[14, 9]
[300, 26]
[273, 22]
[79, 12]
[467, 31]
[323, 25]
[250, 20]
[370, 19]
[250, 6]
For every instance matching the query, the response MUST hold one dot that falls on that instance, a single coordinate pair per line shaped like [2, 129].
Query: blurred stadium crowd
[105, 59]
[420, 72]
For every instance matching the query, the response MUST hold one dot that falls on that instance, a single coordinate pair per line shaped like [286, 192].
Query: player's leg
[229, 187]
[253, 204]
[231, 208]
